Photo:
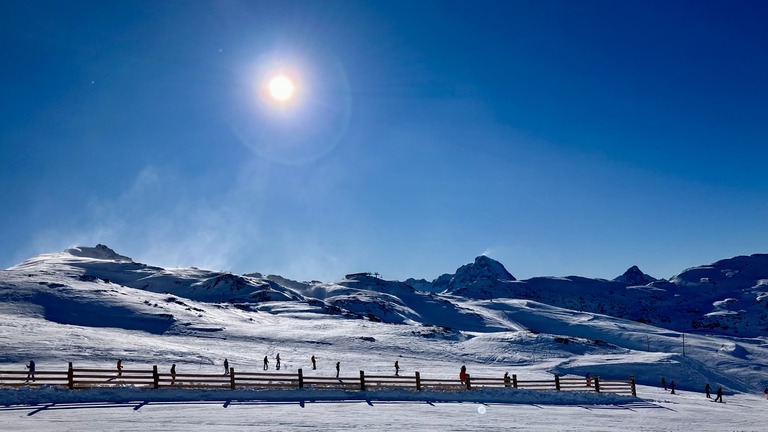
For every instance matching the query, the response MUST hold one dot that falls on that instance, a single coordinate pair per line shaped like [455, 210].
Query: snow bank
[31, 396]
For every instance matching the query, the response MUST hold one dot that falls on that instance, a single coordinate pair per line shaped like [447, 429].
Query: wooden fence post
[301, 378]
[597, 383]
[155, 377]
[557, 382]
[232, 378]
[70, 377]
[418, 381]
[632, 383]
[469, 386]
[362, 380]
[514, 380]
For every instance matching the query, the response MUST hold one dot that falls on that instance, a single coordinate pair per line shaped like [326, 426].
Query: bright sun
[281, 88]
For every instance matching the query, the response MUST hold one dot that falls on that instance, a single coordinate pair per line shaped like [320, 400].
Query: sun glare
[281, 88]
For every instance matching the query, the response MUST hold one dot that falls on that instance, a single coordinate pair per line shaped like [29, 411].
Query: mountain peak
[100, 252]
[635, 276]
[471, 279]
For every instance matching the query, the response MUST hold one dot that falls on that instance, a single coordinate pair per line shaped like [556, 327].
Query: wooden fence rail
[83, 378]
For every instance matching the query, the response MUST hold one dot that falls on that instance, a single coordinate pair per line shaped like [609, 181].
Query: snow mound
[100, 252]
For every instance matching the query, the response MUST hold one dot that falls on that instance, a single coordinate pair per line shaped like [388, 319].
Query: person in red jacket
[463, 373]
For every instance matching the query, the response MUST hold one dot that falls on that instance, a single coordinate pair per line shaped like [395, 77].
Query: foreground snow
[533, 411]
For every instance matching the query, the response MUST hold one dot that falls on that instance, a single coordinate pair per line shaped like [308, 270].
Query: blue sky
[559, 138]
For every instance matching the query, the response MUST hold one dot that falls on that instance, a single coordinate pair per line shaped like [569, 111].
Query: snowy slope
[91, 306]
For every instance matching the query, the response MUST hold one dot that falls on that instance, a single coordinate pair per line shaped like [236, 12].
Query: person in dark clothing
[719, 397]
[672, 386]
[338, 367]
[766, 392]
[173, 374]
[314, 365]
[277, 361]
[589, 380]
[707, 388]
[31, 367]
[507, 382]
[119, 367]
[266, 362]
[397, 368]
[463, 373]
[226, 367]
[664, 383]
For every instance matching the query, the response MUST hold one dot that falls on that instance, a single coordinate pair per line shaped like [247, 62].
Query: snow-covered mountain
[86, 302]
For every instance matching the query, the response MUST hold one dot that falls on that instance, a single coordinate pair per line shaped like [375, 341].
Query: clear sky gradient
[558, 137]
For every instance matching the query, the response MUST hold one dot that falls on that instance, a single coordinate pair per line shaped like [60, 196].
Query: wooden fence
[83, 378]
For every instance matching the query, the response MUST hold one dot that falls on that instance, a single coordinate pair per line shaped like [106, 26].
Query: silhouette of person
[338, 367]
[119, 367]
[397, 368]
[719, 397]
[173, 374]
[707, 388]
[31, 367]
[664, 383]
[226, 367]
[463, 373]
[314, 365]
[266, 362]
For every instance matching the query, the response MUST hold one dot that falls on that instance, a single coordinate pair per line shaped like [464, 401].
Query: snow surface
[92, 306]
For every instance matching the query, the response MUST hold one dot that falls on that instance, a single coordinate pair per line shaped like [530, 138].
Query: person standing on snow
[463, 373]
[338, 368]
[719, 397]
[31, 367]
[397, 368]
[266, 362]
[664, 383]
[507, 382]
[277, 361]
[173, 374]
[672, 386]
[119, 367]
[226, 367]
[314, 365]
[707, 388]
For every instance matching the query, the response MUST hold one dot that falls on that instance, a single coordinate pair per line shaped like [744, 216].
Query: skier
[266, 363]
[507, 383]
[463, 374]
[397, 369]
[338, 363]
[226, 367]
[277, 361]
[707, 388]
[119, 367]
[31, 367]
[664, 383]
[314, 365]
[719, 397]
[173, 374]
[672, 386]
[589, 380]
